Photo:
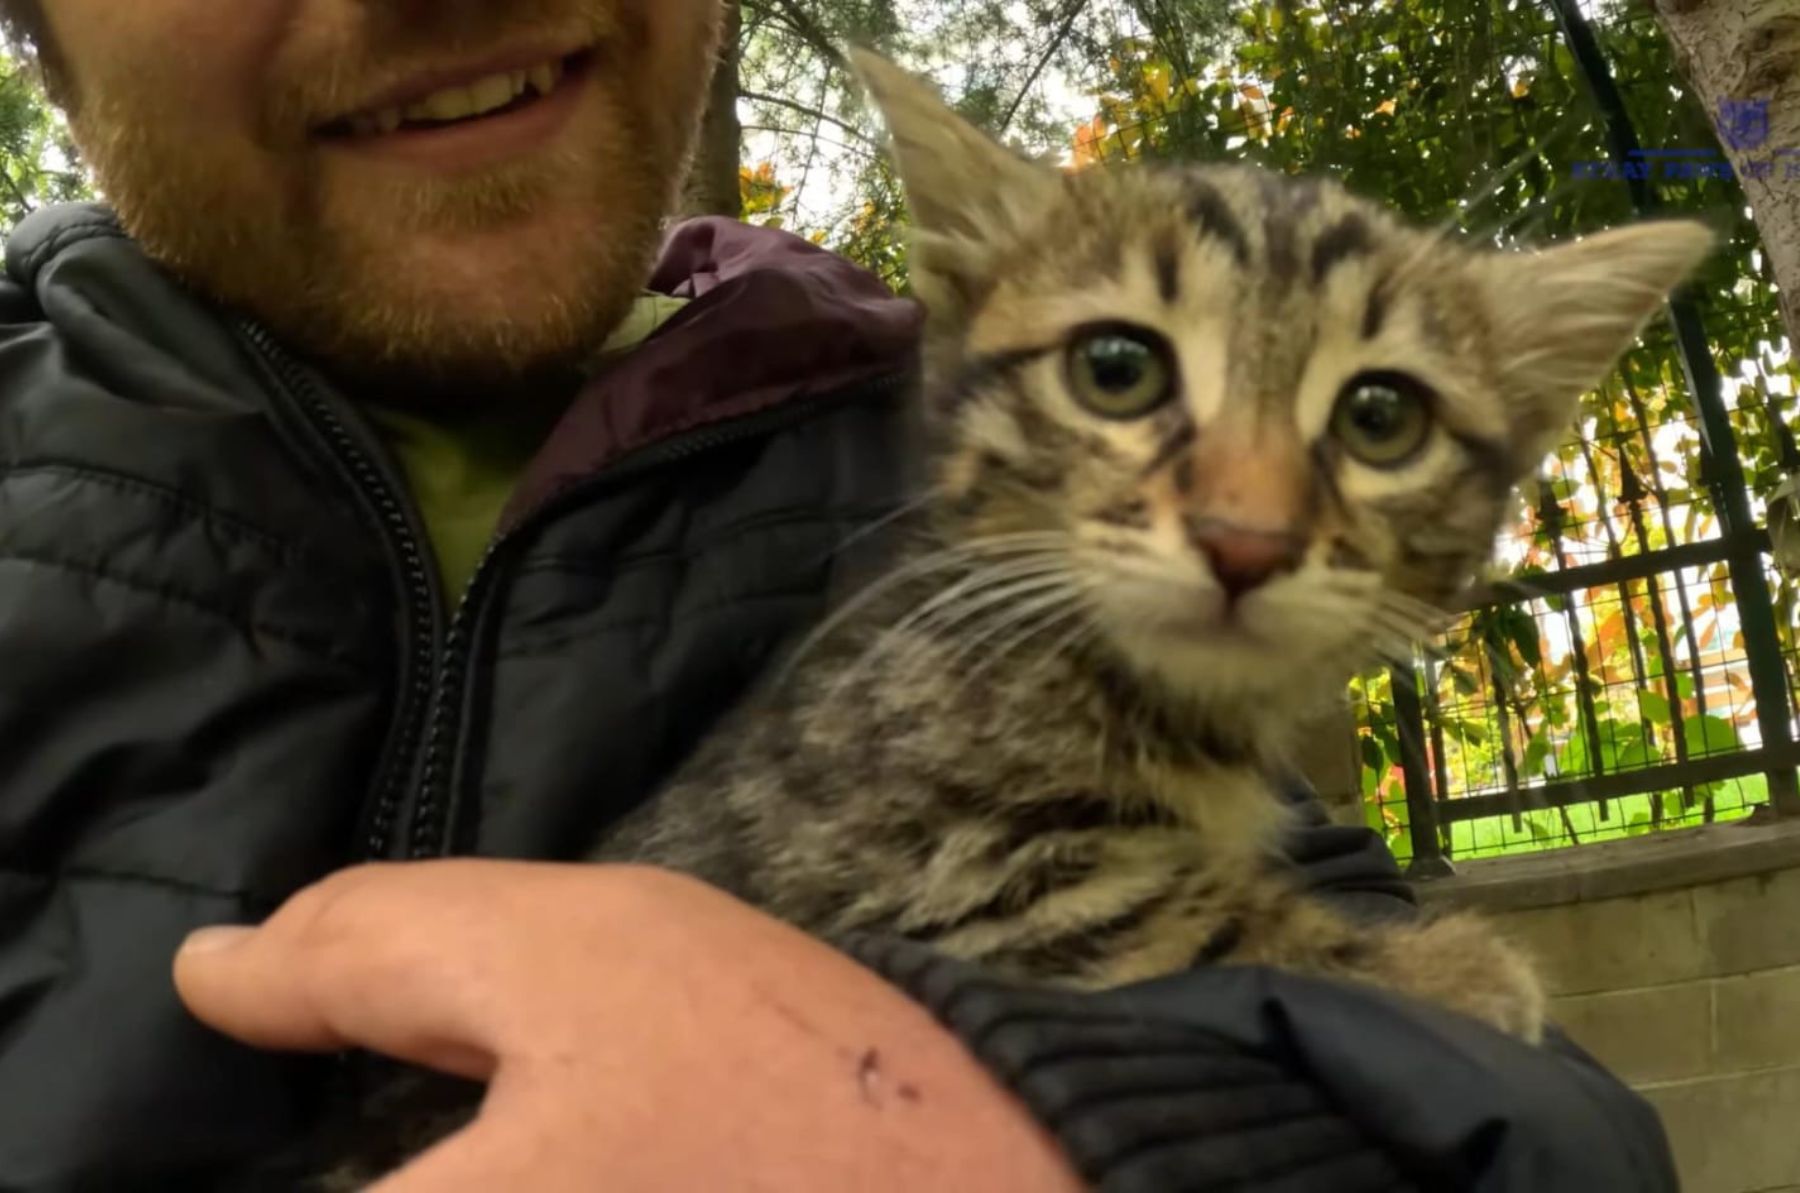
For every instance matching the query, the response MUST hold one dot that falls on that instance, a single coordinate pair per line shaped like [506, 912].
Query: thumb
[341, 965]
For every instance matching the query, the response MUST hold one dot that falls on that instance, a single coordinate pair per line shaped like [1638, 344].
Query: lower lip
[475, 144]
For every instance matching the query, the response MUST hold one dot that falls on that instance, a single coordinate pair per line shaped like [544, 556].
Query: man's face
[457, 188]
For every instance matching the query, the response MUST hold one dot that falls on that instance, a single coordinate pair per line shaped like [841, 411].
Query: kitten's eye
[1382, 419]
[1121, 372]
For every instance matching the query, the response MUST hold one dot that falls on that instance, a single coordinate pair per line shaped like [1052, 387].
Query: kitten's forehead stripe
[1285, 208]
[1346, 239]
[1280, 247]
[1375, 315]
[1168, 269]
[1212, 216]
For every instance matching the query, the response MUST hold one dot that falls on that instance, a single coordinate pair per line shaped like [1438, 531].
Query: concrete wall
[1690, 992]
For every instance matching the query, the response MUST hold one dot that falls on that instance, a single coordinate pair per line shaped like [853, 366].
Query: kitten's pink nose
[1243, 559]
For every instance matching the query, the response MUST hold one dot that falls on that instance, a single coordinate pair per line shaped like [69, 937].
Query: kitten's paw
[1459, 961]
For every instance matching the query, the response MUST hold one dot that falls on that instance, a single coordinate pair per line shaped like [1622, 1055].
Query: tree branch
[26, 207]
[1056, 42]
[804, 110]
[803, 27]
[777, 130]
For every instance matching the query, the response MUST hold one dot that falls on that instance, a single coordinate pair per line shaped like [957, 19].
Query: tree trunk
[713, 187]
[1744, 55]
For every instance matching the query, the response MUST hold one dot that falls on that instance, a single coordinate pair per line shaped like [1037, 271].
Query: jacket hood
[47, 231]
[773, 318]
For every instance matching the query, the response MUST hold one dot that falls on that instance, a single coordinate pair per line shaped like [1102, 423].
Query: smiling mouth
[500, 93]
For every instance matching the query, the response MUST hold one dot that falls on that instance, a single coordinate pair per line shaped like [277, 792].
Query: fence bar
[1653, 595]
[1428, 860]
[1617, 571]
[1650, 780]
[1724, 470]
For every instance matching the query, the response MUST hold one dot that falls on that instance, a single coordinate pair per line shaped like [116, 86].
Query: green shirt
[463, 465]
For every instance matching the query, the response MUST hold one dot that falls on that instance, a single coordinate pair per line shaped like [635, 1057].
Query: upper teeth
[459, 103]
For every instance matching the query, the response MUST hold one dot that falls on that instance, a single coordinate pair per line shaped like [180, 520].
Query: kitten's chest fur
[1038, 811]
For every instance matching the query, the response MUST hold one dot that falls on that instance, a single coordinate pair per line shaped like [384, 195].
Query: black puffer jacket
[226, 669]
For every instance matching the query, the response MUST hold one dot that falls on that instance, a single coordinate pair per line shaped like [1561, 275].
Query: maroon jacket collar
[773, 318]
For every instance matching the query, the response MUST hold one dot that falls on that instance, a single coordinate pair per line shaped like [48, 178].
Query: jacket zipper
[432, 830]
[419, 644]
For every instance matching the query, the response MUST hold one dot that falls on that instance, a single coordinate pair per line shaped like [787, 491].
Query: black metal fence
[1636, 677]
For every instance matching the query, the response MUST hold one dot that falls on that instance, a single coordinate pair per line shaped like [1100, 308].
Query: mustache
[333, 66]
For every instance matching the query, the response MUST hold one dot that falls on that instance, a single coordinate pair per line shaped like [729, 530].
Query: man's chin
[445, 315]
[442, 358]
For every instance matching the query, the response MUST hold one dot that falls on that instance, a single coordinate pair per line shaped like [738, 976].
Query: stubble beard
[348, 275]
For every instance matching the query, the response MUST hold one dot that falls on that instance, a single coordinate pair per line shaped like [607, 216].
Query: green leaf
[1572, 759]
[1525, 637]
[1531, 766]
[1620, 741]
[1634, 756]
[1473, 732]
[1655, 708]
[1709, 735]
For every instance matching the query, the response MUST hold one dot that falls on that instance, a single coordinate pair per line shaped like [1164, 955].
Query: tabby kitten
[1202, 441]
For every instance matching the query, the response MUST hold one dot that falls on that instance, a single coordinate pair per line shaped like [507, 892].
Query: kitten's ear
[1563, 316]
[959, 181]
[965, 189]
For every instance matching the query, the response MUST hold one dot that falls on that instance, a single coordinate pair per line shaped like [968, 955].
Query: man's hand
[640, 1031]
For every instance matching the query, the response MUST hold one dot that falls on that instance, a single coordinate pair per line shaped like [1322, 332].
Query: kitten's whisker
[990, 585]
[1047, 617]
[941, 617]
[883, 522]
[1393, 623]
[1423, 611]
[1055, 604]
[990, 618]
[1086, 627]
[940, 560]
